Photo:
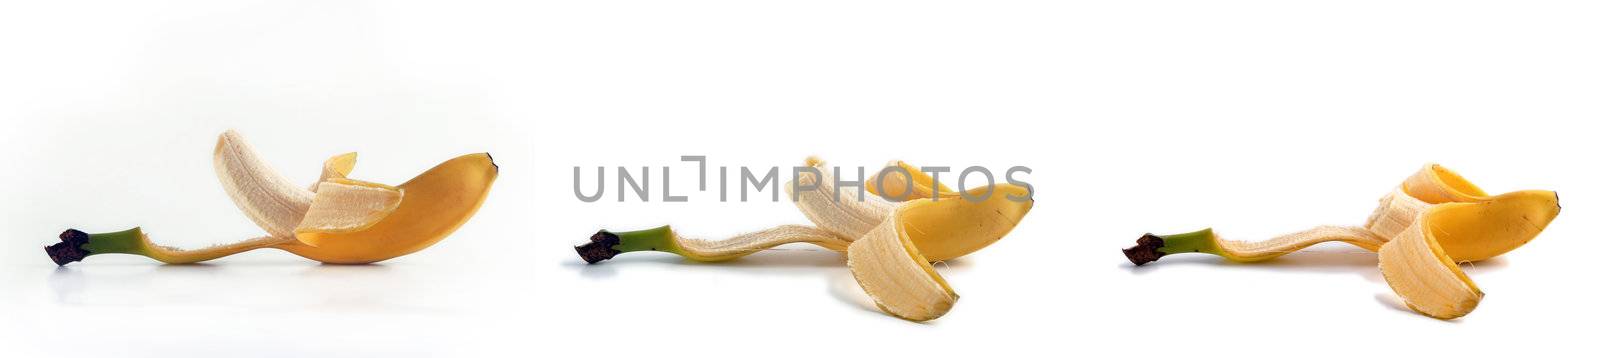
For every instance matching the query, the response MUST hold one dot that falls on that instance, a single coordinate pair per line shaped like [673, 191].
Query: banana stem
[604, 245]
[76, 245]
[1151, 247]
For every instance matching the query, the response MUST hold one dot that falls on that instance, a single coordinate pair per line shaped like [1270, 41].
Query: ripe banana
[888, 246]
[1435, 219]
[337, 220]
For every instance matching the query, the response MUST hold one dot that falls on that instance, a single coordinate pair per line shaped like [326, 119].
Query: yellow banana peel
[1434, 220]
[336, 220]
[888, 245]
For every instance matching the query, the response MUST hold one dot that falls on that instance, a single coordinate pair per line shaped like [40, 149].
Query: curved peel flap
[1436, 184]
[1422, 273]
[336, 167]
[953, 227]
[345, 205]
[888, 266]
[1496, 225]
[898, 176]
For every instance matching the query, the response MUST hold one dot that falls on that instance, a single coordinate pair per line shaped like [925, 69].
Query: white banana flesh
[281, 208]
[266, 197]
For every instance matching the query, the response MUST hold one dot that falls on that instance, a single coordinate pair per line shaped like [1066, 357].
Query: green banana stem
[76, 245]
[1152, 247]
[605, 244]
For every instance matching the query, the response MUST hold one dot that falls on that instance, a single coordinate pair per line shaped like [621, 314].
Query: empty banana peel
[1435, 219]
[889, 246]
[336, 220]
[1420, 263]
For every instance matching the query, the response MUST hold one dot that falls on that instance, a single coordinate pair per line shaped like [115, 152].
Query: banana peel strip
[336, 167]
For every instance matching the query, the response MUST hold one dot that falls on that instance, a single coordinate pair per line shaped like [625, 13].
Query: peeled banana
[1433, 220]
[336, 220]
[888, 245]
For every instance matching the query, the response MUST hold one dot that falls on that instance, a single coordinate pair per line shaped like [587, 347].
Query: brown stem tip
[599, 247]
[1146, 251]
[70, 249]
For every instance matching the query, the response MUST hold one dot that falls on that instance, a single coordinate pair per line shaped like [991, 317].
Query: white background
[1255, 117]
